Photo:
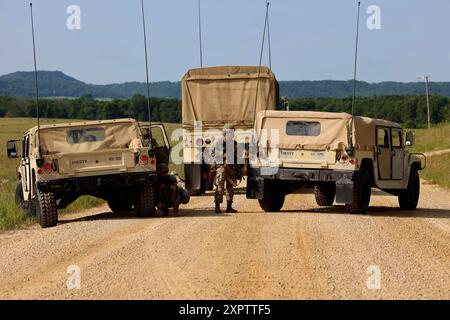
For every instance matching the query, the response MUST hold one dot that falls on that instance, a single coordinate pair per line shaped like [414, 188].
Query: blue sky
[311, 40]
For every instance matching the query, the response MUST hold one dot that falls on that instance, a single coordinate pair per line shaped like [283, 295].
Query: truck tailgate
[307, 158]
[118, 160]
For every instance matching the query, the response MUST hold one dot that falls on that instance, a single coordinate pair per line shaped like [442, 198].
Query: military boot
[217, 209]
[230, 208]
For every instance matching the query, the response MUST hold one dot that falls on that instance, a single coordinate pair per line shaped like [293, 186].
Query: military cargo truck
[61, 162]
[340, 156]
[213, 97]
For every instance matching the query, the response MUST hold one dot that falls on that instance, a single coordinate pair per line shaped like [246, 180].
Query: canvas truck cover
[334, 129]
[219, 95]
[90, 136]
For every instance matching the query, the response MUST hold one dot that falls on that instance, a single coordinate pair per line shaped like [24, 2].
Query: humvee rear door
[160, 143]
[384, 157]
[397, 153]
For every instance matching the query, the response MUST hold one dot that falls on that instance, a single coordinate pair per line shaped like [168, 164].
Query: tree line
[410, 110]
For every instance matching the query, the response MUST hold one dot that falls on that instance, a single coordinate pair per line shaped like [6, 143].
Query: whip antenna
[260, 58]
[35, 78]
[200, 32]
[268, 36]
[146, 71]
[354, 73]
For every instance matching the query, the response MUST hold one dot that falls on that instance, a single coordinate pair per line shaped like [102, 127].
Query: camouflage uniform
[225, 182]
[167, 192]
[227, 176]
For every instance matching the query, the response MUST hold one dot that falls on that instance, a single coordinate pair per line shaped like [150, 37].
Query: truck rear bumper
[95, 184]
[306, 175]
[296, 178]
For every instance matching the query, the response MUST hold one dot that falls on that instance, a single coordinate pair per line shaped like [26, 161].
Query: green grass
[10, 216]
[436, 138]
[438, 166]
[438, 170]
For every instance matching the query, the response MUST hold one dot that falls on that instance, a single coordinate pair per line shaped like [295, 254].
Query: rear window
[303, 128]
[75, 136]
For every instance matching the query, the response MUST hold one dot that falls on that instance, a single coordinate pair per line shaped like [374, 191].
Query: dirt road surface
[304, 252]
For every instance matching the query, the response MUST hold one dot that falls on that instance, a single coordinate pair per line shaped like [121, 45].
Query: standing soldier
[228, 171]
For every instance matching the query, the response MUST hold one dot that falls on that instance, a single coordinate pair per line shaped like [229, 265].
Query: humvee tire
[47, 214]
[273, 198]
[28, 207]
[145, 201]
[325, 194]
[362, 189]
[409, 198]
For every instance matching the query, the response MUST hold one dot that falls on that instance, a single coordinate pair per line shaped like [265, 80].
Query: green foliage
[411, 111]
[87, 108]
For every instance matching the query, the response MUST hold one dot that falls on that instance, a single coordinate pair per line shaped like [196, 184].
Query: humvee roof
[334, 132]
[117, 134]
[226, 94]
[80, 123]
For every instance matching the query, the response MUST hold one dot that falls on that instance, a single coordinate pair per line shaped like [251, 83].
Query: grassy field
[438, 170]
[10, 216]
[438, 166]
[436, 138]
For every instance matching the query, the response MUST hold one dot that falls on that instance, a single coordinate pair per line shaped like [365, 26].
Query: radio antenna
[261, 57]
[268, 36]
[146, 72]
[200, 32]
[354, 74]
[35, 79]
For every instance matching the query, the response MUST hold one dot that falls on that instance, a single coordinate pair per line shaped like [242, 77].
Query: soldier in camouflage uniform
[227, 173]
[167, 193]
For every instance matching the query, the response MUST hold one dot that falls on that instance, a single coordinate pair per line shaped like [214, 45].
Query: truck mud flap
[193, 175]
[344, 190]
[255, 186]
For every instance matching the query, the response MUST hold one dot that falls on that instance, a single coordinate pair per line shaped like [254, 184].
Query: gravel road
[304, 252]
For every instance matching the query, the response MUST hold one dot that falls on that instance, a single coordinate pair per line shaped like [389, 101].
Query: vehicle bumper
[88, 185]
[306, 175]
[302, 177]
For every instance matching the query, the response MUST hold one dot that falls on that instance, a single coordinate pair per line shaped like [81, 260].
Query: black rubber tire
[273, 198]
[145, 201]
[28, 207]
[325, 194]
[47, 213]
[409, 198]
[119, 205]
[362, 190]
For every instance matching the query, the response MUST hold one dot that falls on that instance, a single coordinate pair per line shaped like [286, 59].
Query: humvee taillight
[144, 160]
[48, 168]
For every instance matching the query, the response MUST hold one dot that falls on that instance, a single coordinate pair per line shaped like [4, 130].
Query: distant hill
[58, 84]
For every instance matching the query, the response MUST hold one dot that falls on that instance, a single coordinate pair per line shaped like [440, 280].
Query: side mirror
[410, 139]
[12, 149]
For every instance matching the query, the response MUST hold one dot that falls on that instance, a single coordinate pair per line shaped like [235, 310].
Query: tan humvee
[341, 156]
[61, 162]
[213, 97]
